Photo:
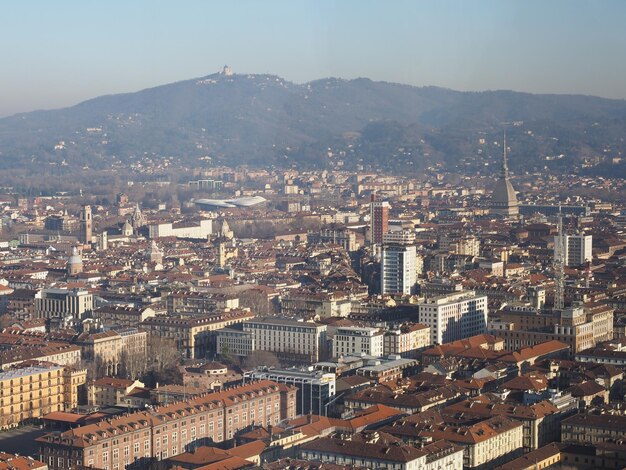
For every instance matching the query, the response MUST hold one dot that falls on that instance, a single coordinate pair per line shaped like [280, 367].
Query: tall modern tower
[397, 269]
[86, 225]
[577, 249]
[504, 200]
[379, 219]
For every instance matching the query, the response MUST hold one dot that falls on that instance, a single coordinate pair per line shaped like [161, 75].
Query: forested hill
[264, 119]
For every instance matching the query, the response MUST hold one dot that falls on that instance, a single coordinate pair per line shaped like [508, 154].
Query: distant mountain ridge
[264, 119]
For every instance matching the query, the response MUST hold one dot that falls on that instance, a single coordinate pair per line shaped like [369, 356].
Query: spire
[505, 166]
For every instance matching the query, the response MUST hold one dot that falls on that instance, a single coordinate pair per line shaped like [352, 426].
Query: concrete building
[61, 303]
[577, 249]
[397, 269]
[354, 340]
[454, 316]
[315, 388]
[291, 339]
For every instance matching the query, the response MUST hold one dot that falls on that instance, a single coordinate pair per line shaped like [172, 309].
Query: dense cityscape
[313, 235]
[308, 319]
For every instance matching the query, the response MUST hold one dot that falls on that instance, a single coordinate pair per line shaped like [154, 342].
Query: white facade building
[296, 339]
[397, 269]
[199, 230]
[400, 237]
[577, 249]
[351, 340]
[61, 303]
[454, 316]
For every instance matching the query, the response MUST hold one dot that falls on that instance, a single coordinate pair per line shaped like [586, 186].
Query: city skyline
[62, 56]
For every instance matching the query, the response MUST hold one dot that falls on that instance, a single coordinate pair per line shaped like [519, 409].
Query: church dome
[74, 262]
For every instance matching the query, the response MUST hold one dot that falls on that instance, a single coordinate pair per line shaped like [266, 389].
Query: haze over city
[60, 53]
[313, 235]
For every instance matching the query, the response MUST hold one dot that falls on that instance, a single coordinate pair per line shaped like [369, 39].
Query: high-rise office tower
[576, 249]
[397, 269]
[379, 220]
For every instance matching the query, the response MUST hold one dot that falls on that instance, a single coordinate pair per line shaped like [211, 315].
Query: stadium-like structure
[237, 202]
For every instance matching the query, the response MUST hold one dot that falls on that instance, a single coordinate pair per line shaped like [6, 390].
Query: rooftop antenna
[559, 267]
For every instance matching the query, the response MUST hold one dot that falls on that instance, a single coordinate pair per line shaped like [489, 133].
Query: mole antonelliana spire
[504, 199]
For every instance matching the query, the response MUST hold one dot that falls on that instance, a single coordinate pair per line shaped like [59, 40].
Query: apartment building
[31, 392]
[107, 347]
[579, 326]
[541, 420]
[62, 354]
[122, 315]
[407, 340]
[486, 443]
[371, 450]
[324, 304]
[192, 333]
[454, 316]
[111, 391]
[138, 439]
[588, 428]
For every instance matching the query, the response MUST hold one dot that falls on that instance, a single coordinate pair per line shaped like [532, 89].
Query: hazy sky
[59, 52]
